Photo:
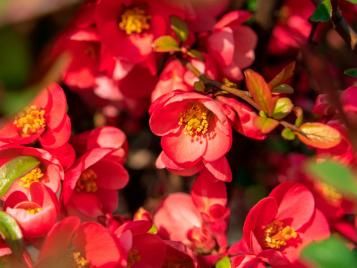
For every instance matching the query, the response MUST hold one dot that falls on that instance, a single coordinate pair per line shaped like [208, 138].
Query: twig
[244, 95]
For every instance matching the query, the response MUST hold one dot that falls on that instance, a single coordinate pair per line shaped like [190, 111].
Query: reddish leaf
[319, 135]
[266, 125]
[283, 75]
[260, 91]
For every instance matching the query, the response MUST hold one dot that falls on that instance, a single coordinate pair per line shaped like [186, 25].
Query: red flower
[280, 225]
[293, 27]
[199, 220]
[220, 168]
[193, 127]
[44, 120]
[128, 28]
[49, 172]
[242, 118]
[91, 185]
[232, 44]
[72, 244]
[36, 213]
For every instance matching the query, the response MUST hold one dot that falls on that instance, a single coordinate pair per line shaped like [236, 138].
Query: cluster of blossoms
[183, 64]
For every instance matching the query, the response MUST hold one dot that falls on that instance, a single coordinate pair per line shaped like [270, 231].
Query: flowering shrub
[154, 141]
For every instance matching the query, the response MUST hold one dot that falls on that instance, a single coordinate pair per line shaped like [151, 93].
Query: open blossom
[232, 44]
[71, 243]
[128, 28]
[199, 220]
[49, 171]
[35, 213]
[45, 120]
[192, 122]
[90, 186]
[279, 226]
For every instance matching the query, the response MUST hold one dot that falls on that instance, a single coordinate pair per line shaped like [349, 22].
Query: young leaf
[9, 228]
[265, 124]
[193, 53]
[322, 12]
[351, 72]
[284, 89]
[283, 107]
[180, 28]
[10, 231]
[283, 75]
[166, 43]
[15, 168]
[330, 253]
[299, 113]
[319, 135]
[260, 91]
[334, 174]
[288, 134]
[223, 263]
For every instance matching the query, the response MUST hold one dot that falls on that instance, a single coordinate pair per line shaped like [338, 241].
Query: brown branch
[244, 95]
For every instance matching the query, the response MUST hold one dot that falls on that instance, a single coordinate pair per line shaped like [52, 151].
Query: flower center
[134, 20]
[329, 193]
[30, 121]
[195, 120]
[87, 182]
[33, 211]
[202, 240]
[79, 260]
[34, 175]
[277, 234]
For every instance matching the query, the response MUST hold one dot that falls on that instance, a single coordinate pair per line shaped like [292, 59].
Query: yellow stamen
[134, 20]
[33, 211]
[34, 175]
[30, 121]
[329, 193]
[79, 260]
[87, 182]
[195, 120]
[277, 234]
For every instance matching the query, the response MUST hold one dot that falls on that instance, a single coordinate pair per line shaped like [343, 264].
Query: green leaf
[9, 228]
[180, 28]
[352, 1]
[265, 124]
[11, 232]
[288, 134]
[223, 263]
[166, 43]
[335, 174]
[284, 89]
[15, 168]
[351, 72]
[330, 253]
[299, 113]
[193, 53]
[322, 12]
[282, 108]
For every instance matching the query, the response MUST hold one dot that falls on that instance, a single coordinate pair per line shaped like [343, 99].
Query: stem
[291, 126]
[244, 95]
